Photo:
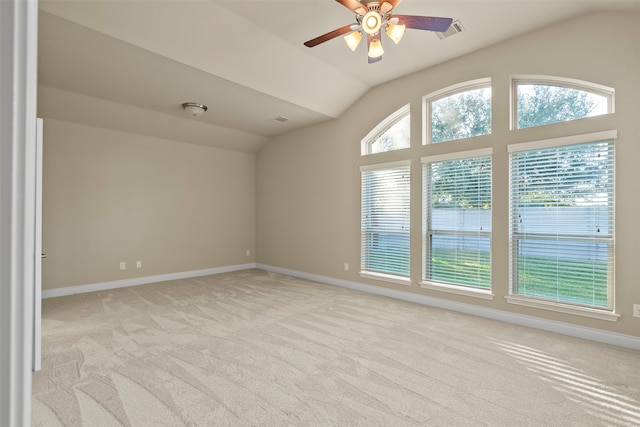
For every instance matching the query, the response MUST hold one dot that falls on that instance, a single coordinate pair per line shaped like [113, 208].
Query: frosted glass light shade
[395, 32]
[194, 109]
[375, 49]
[353, 39]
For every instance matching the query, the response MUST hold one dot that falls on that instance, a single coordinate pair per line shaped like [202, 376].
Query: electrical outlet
[248, 252]
[346, 266]
[636, 310]
[123, 265]
[138, 264]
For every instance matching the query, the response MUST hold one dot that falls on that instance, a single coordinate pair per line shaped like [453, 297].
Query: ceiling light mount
[371, 22]
[194, 109]
[280, 119]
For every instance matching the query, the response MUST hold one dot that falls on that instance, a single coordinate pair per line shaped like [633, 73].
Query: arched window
[457, 112]
[560, 193]
[540, 100]
[393, 133]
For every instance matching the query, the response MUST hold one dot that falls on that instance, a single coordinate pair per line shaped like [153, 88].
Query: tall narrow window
[562, 213]
[540, 101]
[457, 219]
[385, 220]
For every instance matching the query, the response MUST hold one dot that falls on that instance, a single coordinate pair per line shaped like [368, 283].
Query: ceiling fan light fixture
[353, 39]
[375, 49]
[395, 32]
[371, 22]
[194, 109]
[372, 16]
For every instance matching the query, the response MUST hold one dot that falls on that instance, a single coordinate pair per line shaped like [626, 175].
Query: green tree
[581, 173]
[461, 115]
[395, 137]
[570, 174]
[544, 104]
[464, 183]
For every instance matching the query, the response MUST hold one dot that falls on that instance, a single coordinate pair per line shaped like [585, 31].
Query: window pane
[458, 222]
[461, 115]
[385, 221]
[395, 137]
[540, 104]
[562, 223]
[460, 260]
[573, 272]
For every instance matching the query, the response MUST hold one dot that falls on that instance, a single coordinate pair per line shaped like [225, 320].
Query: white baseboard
[80, 289]
[598, 335]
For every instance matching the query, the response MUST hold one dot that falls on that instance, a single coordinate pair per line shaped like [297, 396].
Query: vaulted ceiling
[129, 65]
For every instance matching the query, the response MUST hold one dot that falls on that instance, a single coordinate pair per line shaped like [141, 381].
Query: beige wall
[111, 196]
[308, 182]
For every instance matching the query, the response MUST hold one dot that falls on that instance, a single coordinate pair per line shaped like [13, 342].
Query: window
[560, 198]
[457, 219]
[393, 133]
[540, 101]
[385, 221]
[462, 111]
[562, 220]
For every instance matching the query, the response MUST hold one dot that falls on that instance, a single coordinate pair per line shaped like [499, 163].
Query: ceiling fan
[374, 16]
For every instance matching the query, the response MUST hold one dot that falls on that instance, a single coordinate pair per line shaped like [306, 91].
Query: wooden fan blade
[354, 5]
[330, 35]
[429, 23]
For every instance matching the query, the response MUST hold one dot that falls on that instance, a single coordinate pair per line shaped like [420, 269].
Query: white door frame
[38, 256]
[18, 86]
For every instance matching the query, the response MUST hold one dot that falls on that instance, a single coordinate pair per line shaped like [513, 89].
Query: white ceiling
[129, 65]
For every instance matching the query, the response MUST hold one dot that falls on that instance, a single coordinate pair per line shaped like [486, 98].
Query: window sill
[460, 290]
[401, 280]
[563, 308]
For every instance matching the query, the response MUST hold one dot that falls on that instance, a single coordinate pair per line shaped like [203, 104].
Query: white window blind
[562, 214]
[385, 228]
[457, 220]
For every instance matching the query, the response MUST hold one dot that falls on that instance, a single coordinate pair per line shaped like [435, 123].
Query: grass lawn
[557, 280]
[472, 268]
[569, 281]
[563, 280]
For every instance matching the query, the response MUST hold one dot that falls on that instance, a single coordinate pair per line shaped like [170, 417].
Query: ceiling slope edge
[72, 107]
[313, 84]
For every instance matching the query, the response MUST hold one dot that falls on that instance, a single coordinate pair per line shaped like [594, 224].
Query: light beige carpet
[253, 348]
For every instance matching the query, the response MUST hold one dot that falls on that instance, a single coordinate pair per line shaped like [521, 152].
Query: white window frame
[426, 230]
[608, 314]
[533, 79]
[428, 99]
[382, 127]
